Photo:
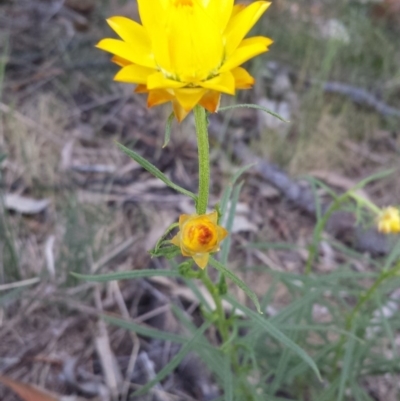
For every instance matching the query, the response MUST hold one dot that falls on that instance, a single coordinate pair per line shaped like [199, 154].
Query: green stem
[204, 159]
[213, 290]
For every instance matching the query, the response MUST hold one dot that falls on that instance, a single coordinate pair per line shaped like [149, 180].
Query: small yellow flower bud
[389, 220]
[198, 236]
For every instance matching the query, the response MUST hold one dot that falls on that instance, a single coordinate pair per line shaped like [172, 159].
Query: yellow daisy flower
[198, 236]
[187, 51]
[389, 220]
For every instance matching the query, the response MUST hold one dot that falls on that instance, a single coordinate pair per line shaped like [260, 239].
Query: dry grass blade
[28, 392]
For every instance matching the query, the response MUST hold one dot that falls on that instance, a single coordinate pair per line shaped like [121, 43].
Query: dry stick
[304, 198]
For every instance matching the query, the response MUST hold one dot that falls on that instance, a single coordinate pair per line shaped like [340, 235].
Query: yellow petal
[243, 80]
[179, 111]
[158, 96]
[152, 14]
[120, 61]
[237, 8]
[224, 82]
[241, 23]
[159, 81]
[241, 55]
[201, 259]
[194, 41]
[134, 74]
[262, 40]
[141, 89]
[176, 240]
[128, 52]
[220, 11]
[213, 216]
[210, 101]
[188, 98]
[131, 32]
[222, 233]
[183, 218]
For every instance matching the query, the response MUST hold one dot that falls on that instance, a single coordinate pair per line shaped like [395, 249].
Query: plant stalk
[204, 158]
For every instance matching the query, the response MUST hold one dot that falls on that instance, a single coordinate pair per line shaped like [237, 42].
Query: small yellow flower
[187, 51]
[389, 220]
[198, 236]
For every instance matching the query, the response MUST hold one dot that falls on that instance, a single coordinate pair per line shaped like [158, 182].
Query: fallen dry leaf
[25, 205]
[26, 391]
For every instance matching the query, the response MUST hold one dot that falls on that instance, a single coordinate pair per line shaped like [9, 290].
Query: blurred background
[72, 202]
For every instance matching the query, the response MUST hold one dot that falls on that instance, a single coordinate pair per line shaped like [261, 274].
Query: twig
[361, 97]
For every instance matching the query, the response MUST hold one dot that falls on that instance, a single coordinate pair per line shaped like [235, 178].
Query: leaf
[228, 191]
[25, 205]
[26, 391]
[101, 278]
[277, 334]
[155, 171]
[348, 363]
[168, 128]
[254, 106]
[237, 281]
[229, 223]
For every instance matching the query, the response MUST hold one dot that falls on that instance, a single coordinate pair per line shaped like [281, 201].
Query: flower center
[198, 237]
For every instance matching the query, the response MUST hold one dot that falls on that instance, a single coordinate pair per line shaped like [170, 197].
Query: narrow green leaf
[253, 106]
[277, 334]
[347, 366]
[229, 224]
[228, 191]
[220, 267]
[155, 171]
[129, 275]
[168, 128]
[143, 330]
[175, 361]
[228, 379]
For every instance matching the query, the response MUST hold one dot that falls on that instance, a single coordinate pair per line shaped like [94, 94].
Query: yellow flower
[389, 220]
[198, 236]
[187, 51]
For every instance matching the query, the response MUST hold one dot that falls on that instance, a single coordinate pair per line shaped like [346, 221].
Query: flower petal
[159, 81]
[128, 52]
[243, 80]
[179, 111]
[152, 13]
[158, 96]
[262, 40]
[120, 61]
[183, 218]
[222, 233]
[201, 259]
[241, 23]
[237, 8]
[224, 82]
[141, 89]
[210, 101]
[176, 240]
[189, 97]
[194, 41]
[133, 73]
[241, 55]
[213, 217]
[220, 11]
[131, 32]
